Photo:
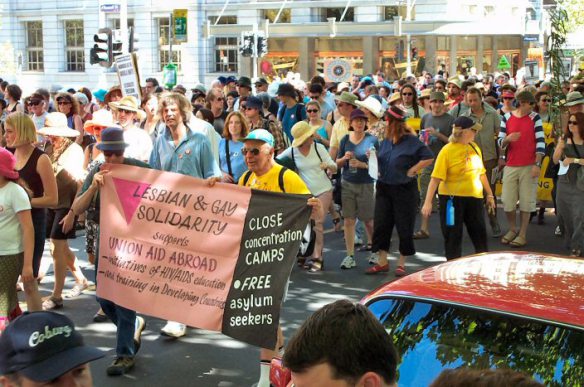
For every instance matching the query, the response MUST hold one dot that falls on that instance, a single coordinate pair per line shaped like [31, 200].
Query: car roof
[544, 287]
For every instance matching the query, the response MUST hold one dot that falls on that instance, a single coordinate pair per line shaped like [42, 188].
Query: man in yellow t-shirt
[265, 174]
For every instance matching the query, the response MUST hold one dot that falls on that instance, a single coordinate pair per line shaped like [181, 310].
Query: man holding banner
[265, 174]
[179, 149]
[129, 327]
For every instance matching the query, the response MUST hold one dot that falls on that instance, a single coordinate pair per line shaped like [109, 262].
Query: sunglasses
[572, 122]
[311, 111]
[113, 153]
[64, 102]
[314, 96]
[508, 98]
[220, 99]
[243, 107]
[546, 100]
[253, 151]
[34, 103]
[125, 111]
[409, 94]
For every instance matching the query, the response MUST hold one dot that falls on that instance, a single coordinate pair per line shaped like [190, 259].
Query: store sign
[110, 8]
[337, 70]
[530, 38]
[504, 63]
[128, 75]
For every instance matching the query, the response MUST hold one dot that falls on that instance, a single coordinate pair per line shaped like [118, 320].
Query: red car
[523, 311]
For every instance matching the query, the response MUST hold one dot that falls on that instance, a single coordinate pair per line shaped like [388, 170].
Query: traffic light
[132, 40]
[262, 47]
[101, 53]
[246, 45]
[117, 44]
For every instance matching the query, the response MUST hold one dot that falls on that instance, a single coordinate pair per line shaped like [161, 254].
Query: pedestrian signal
[101, 53]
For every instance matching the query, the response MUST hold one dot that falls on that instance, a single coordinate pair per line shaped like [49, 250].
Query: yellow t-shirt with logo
[459, 167]
[293, 184]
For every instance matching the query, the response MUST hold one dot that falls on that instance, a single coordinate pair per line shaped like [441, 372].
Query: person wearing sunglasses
[128, 113]
[69, 106]
[216, 103]
[36, 108]
[265, 174]
[409, 97]
[570, 193]
[507, 99]
[129, 326]
[460, 178]
[316, 92]
[523, 139]
[323, 133]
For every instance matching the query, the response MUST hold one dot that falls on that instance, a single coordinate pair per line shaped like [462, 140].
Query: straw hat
[301, 131]
[425, 94]
[102, 118]
[371, 104]
[394, 97]
[56, 125]
[129, 103]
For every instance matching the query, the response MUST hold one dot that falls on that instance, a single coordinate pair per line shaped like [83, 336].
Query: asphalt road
[203, 358]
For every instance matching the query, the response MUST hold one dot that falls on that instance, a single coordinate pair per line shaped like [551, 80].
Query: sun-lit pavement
[203, 358]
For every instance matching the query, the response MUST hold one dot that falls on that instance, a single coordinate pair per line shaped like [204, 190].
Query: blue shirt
[394, 160]
[193, 155]
[361, 176]
[289, 118]
[238, 166]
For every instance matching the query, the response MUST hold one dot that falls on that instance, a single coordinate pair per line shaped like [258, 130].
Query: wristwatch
[538, 164]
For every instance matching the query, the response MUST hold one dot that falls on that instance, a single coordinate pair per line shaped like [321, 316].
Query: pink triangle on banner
[130, 195]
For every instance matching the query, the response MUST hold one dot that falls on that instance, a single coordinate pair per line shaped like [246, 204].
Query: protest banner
[216, 258]
[128, 75]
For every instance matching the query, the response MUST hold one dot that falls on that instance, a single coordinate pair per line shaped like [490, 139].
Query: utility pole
[409, 5]
[255, 50]
[124, 25]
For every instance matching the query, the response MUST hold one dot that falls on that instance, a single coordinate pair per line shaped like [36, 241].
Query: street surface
[203, 358]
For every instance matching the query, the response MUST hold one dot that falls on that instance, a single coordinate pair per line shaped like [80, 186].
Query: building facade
[47, 42]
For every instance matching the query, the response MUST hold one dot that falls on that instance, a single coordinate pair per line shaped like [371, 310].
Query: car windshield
[433, 337]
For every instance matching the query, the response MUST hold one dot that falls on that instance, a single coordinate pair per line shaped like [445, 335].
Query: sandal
[519, 241]
[317, 264]
[400, 271]
[509, 237]
[77, 290]
[421, 234]
[52, 303]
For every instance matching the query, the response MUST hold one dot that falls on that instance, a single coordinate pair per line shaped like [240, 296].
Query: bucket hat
[112, 139]
[301, 131]
[347, 97]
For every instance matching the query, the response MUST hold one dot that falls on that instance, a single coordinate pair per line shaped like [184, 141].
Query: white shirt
[309, 169]
[139, 144]
[13, 199]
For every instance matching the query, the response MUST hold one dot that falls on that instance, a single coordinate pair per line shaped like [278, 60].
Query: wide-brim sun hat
[102, 118]
[301, 131]
[372, 105]
[394, 97]
[129, 103]
[425, 94]
[347, 97]
[56, 125]
[574, 98]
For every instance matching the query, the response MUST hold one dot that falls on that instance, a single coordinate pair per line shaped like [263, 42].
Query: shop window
[338, 12]
[489, 10]
[285, 16]
[164, 56]
[34, 46]
[116, 23]
[74, 47]
[226, 53]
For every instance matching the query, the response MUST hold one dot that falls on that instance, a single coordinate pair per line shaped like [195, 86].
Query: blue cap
[43, 346]
[254, 103]
[222, 79]
[100, 94]
[260, 135]
[112, 139]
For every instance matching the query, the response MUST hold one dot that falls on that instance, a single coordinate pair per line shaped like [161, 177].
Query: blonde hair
[456, 134]
[23, 126]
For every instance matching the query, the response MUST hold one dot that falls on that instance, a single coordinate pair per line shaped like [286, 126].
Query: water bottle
[373, 165]
[352, 169]
[449, 213]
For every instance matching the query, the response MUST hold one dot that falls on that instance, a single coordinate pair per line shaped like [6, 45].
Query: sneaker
[358, 241]
[348, 262]
[140, 325]
[120, 366]
[174, 329]
[373, 259]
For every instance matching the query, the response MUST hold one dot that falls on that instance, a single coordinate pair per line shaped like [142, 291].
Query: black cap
[261, 81]
[254, 103]
[42, 346]
[244, 82]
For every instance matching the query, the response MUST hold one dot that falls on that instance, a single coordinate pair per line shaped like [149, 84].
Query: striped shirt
[532, 141]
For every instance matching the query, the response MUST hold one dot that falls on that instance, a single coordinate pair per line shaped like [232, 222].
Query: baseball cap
[43, 346]
[260, 135]
[254, 103]
[463, 122]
